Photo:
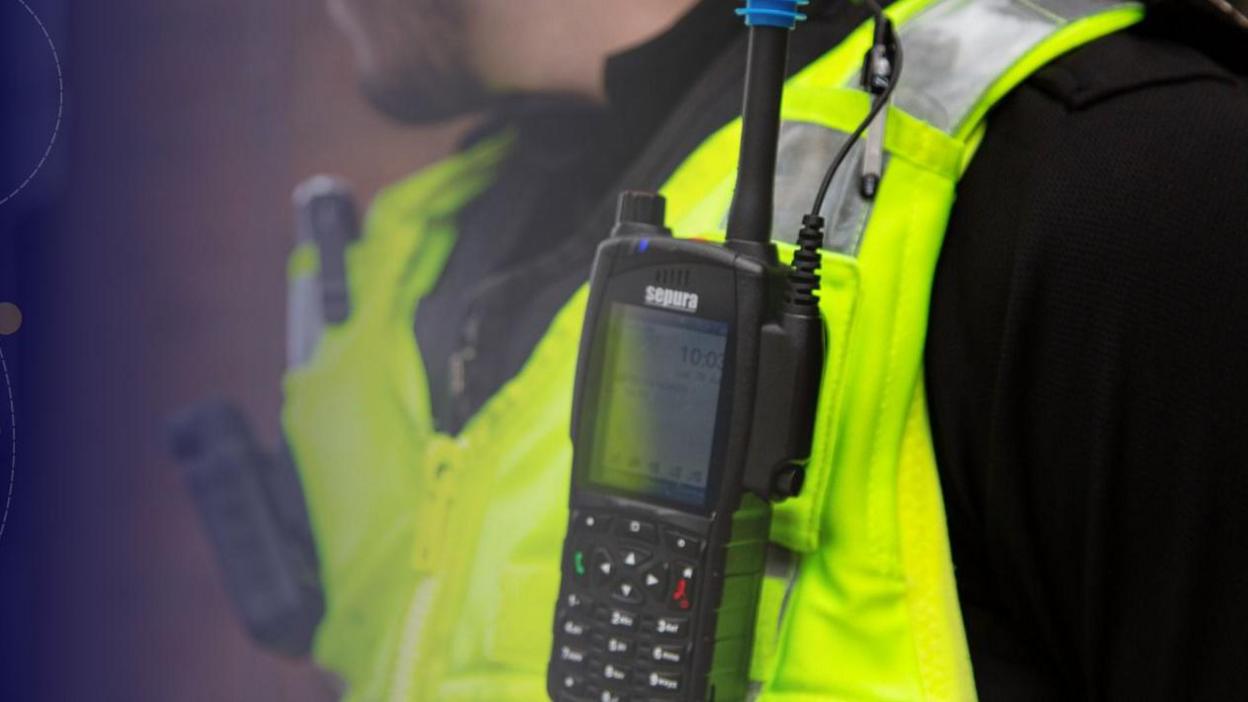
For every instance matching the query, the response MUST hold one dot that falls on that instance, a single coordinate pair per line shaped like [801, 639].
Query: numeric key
[613, 672]
[675, 627]
[666, 653]
[621, 619]
[574, 628]
[662, 682]
[617, 646]
[573, 685]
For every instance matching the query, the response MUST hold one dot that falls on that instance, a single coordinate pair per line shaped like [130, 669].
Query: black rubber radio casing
[659, 593]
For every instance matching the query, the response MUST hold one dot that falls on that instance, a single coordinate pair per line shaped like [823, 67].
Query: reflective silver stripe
[803, 157]
[303, 320]
[955, 50]
[325, 218]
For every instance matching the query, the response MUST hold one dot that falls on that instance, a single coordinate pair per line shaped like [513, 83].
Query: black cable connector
[807, 259]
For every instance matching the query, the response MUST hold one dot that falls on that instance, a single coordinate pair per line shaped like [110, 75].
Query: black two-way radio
[695, 399]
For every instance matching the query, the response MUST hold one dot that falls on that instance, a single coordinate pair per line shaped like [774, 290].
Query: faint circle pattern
[60, 109]
[10, 318]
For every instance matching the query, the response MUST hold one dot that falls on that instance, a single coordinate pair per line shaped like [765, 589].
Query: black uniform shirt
[1087, 357]
[1087, 369]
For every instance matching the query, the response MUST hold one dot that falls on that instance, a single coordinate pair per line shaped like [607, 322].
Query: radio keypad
[620, 633]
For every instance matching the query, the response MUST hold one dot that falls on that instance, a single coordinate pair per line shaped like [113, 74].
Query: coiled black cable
[807, 259]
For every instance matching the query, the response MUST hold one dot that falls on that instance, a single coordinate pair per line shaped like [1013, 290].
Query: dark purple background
[148, 258]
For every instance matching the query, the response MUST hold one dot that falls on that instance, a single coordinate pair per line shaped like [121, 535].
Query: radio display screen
[658, 400]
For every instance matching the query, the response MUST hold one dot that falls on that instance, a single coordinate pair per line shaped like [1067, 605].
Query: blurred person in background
[1082, 359]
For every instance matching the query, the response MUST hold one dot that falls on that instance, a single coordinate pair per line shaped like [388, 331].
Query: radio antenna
[770, 22]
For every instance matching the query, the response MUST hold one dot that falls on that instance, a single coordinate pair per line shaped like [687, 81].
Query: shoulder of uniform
[1141, 59]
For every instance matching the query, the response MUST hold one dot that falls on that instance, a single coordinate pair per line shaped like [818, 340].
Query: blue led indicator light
[643, 245]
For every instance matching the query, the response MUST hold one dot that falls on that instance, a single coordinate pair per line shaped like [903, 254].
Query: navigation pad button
[627, 592]
[633, 557]
[654, 580]
[602, 566]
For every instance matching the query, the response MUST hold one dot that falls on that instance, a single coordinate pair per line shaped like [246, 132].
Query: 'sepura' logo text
[671, 299]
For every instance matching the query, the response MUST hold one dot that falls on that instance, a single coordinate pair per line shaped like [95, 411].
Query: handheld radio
[695, 398]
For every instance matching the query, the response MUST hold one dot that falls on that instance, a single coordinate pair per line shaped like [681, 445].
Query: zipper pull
[460, 363]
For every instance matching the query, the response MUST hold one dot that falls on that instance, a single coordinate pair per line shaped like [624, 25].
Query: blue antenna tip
[772, 13]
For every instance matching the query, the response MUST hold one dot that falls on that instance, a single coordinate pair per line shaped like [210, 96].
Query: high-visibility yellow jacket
[440, 554]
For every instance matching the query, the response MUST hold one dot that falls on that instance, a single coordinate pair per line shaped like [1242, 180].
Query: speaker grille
[673, 277]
